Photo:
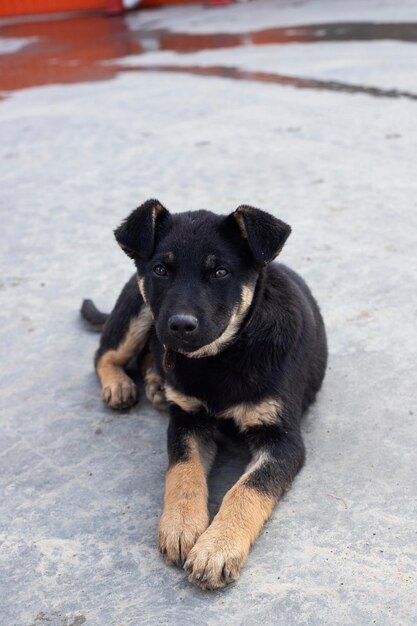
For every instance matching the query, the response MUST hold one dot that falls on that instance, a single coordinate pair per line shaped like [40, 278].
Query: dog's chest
[227, 390]
[216, 382]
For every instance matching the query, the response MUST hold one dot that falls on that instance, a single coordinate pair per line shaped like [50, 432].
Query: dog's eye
[160, 270]
[221, 272]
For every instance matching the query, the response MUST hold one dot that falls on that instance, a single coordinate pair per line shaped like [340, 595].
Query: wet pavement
[306, 109]
[78, 48]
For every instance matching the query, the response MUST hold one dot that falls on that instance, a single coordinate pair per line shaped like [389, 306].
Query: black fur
[181, 425]
[93, 316]
[266, 234]
[127, 307]
[136, 234]
[277, 352]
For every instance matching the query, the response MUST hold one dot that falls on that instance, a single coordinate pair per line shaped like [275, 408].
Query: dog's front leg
[191, 451]
[220, 552]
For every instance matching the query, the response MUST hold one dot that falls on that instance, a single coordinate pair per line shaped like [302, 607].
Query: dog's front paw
[216, 559]
[178, 532]
[120, 393]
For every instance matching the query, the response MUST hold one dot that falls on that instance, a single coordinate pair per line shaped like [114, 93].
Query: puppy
[224, 334]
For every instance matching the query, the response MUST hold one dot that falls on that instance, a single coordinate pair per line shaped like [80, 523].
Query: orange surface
[76, 48]
[65, 50]
[28, 7]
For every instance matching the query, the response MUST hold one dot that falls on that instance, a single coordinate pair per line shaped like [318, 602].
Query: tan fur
[259, 459]
[154, 384]
[232, 328]
[156, 210]
[189, 404]
[216, 558]
[141, 285]
[169, 258]
[247, 415]
[185, 515]
[210, 262]
[118, 390]
[241, 223]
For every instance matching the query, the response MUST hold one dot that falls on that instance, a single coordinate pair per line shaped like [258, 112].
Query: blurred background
[304, 108]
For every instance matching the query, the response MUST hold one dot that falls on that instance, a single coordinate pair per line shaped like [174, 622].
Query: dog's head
[197, 271]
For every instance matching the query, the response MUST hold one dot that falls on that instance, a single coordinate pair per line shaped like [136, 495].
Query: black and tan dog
[224, 335]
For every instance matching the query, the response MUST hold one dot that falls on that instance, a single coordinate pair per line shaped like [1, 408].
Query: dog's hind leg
[124, 336]
[154, 384]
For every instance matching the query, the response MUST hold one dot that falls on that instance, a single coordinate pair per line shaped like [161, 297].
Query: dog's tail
[95, 318]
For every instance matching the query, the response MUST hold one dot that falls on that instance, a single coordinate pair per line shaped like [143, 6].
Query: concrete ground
[317, 125]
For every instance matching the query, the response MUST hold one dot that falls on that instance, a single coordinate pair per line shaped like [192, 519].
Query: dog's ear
[265, 234]
[136, 234]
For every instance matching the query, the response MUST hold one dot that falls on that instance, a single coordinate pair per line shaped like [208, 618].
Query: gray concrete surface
[82, 487]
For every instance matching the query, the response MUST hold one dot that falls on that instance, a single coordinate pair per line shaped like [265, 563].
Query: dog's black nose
[182, 325]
